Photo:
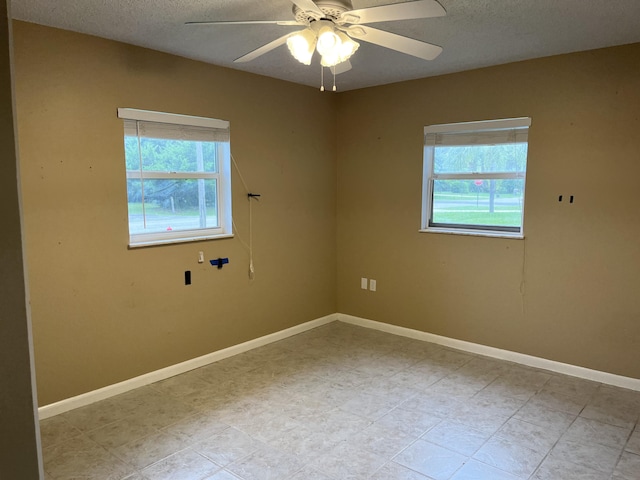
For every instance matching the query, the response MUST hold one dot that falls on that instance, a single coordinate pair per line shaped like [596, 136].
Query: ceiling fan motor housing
[332, 10]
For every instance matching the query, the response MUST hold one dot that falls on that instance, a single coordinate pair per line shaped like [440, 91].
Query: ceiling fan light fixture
[301, 45]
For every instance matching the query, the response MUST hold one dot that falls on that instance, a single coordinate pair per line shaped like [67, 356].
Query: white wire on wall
[248, 247]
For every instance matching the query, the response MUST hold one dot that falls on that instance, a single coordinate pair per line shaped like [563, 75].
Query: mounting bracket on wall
[219, 262]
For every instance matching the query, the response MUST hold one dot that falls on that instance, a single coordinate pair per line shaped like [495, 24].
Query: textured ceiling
[475, 33]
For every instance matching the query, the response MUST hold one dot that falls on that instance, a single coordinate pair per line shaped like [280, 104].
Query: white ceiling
[475, 33]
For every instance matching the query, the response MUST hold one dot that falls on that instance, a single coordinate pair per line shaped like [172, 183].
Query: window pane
[478, 202]
[162, 155]
[510, 157]
[132, 160]
[183, 204]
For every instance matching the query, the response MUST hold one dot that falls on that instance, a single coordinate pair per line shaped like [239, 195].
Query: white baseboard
[164, 373]
[531, 361]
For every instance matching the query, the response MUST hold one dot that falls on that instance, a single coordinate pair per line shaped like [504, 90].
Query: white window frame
[223, 177]
[428, 178]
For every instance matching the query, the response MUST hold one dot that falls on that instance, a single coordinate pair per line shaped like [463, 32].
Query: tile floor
[342, 402]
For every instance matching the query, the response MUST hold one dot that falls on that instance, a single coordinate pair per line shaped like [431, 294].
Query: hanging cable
[250, 196]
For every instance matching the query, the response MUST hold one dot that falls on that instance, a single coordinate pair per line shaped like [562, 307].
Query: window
[178, 177]
[474, 177]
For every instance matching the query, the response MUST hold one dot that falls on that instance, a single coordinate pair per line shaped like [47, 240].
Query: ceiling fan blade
[263, 49]
[395, 11]
[407, 45]
[341, 67]
[249, 22]
[309, 6]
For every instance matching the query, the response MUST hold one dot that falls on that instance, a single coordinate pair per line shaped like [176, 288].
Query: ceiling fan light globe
[328, 40]
[301, 45]
[330, 59]
[347, 47]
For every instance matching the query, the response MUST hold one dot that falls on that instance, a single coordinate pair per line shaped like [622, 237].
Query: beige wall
[19, 446]
[569, 291]
[103, 313]
[338, 174]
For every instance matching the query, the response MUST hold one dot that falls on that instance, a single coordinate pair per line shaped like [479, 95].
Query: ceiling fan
[333, 26]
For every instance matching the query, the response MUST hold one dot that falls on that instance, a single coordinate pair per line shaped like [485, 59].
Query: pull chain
[321, 78]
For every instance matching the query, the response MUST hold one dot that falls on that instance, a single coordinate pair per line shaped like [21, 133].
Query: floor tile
[585, 430]
[227, 447]
[596, 457]
[338, 425]
[572, 386]
[308, 441]
[612, 414]
[495, 405]
[211, 397]
[431, 460]
[628, 467]
[449, 357]
[474, 470]
[633, 444]
[195, 428]
[182, 385]
[458, 386]
[524, 376]
[56, 430]
[147, 450]
[369, 406]
[535, 437]
[423, 373]
[266, 463]
[504, 387]
[382, 441]
[121, 432]
[348, 462]
[184, 465]
[619, 396]
[551, 420]
[558, 401]
[267, 426]
[433, 403]
[411, 422]
[390, 389]
[457, 437]
[396, 471]
[165, 411]
[135, 476]
[509, 457]
[83, 458]
[557, 468]
[221, 475]
[308, 473]
[486, 420]
[95, 415]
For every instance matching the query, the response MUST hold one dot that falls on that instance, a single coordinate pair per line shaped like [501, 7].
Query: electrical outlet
[200, 257]
[372, 285]
[363, 283]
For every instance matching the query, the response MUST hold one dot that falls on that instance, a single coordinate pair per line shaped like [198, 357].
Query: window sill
[473, 233]
[169, 241]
